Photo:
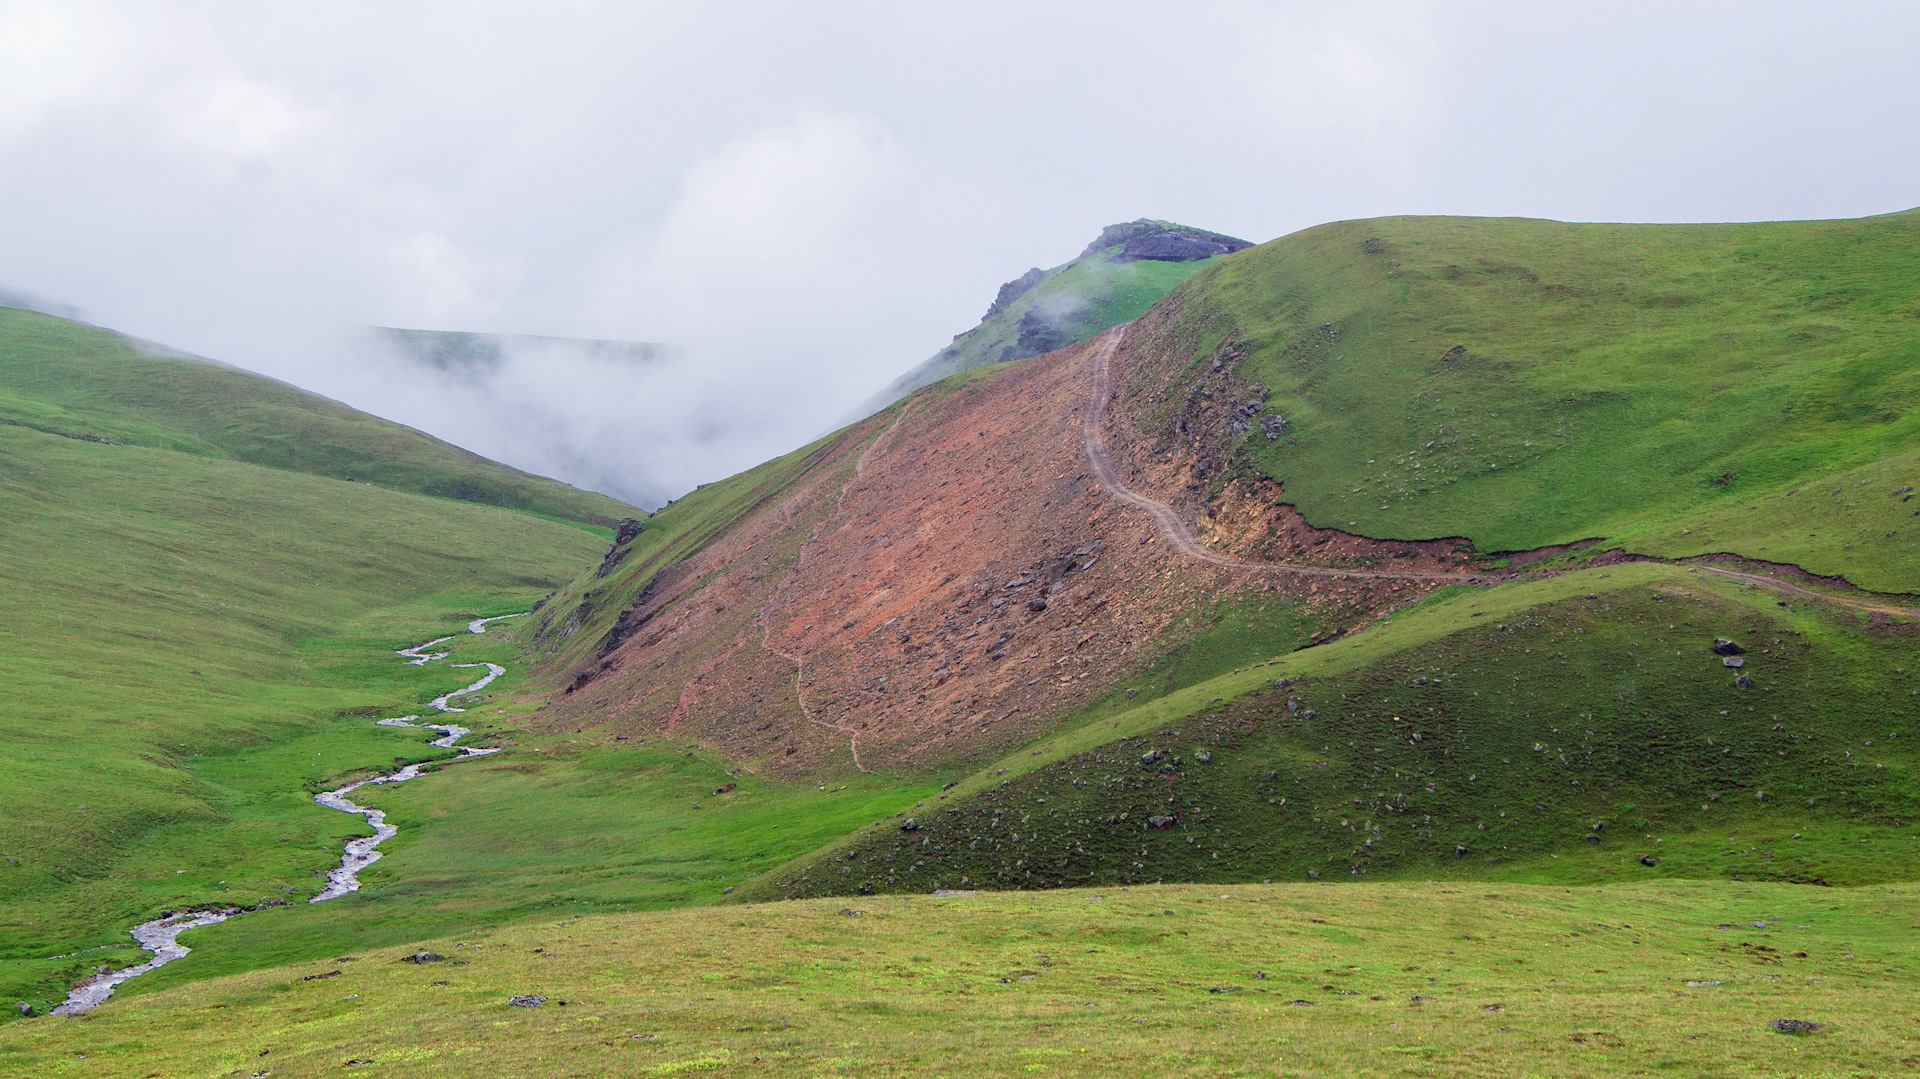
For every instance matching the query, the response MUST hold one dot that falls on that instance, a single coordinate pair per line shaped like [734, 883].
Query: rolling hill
[1536, 584]
[83, 382]
[198, 620]
[1474, 455]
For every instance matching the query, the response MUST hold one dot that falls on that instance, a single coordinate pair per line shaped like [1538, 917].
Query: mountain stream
[160, 936]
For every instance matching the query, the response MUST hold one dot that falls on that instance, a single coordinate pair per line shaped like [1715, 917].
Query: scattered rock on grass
[423, 957]
[526, 1000]
[1794, 1026]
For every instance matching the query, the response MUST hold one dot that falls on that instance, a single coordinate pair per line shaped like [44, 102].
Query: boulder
[1724, 647]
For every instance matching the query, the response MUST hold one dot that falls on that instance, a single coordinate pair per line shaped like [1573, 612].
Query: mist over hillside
[1123, 271]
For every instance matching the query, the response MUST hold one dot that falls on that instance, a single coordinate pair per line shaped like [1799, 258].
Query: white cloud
[813, 198]
[827, 211]
[238, 116]
[54, 55]
[434, 281]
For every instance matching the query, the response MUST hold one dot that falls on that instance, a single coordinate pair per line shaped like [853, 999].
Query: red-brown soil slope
[950, 578]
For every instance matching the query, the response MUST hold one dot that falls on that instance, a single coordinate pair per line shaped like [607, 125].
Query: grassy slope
[72, 379]
[1611, 374]
[197, 629]
[1638, 727]
[166, 612]
[1167, 981]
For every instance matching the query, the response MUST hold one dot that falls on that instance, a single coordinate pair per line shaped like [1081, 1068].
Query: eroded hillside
[942, 581]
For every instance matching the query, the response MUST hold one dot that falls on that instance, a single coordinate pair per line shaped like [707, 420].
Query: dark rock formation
[1162, 241]
[1013, 290]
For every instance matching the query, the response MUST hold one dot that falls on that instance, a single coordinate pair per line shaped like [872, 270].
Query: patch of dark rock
[725, 787]
[1724, 647]
[909, 825]
[1794, 1026]
[423, 957]
[318, 977]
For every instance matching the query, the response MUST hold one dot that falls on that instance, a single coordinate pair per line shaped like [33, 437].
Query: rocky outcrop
[1013, 290]
[624, 534]
[1162, 241]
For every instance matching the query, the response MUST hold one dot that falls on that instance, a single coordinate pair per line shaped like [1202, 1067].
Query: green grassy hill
[70, 379]
[1048, 309]
[1678, 389]
[1730, 394]
[194, 638]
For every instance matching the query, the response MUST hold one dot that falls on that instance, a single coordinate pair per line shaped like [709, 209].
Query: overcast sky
[812, 198]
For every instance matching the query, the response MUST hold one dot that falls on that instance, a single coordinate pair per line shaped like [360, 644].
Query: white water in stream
[360, 853]
[160, 936]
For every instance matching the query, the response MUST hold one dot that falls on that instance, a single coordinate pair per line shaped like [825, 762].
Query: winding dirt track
[1181, 539]
[1172, 528]
[1792, 589]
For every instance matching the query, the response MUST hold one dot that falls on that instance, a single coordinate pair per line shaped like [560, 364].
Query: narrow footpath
[1180, 538]
[1171, 527]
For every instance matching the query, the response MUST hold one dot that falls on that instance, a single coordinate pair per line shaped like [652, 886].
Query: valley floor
[1675, 978]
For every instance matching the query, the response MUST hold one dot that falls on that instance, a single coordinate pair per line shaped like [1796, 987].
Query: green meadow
[1293, 980]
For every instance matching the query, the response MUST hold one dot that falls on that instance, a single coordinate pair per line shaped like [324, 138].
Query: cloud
[441, 282]
[238, 116]
[812, 199]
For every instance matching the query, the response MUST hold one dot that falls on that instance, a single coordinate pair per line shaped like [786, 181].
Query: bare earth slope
[947, 578]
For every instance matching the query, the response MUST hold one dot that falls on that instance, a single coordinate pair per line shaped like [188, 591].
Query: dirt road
[1171, 527]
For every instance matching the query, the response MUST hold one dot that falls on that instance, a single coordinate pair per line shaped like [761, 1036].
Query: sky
[807, 200]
